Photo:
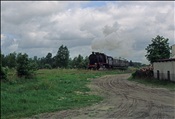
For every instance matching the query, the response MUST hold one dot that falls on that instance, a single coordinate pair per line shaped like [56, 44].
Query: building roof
[165, 60]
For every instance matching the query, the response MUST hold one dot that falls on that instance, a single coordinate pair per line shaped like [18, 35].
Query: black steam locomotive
[100, 60]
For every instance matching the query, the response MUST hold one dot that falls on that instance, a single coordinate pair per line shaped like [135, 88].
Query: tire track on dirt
[124, 107]
[123, 99]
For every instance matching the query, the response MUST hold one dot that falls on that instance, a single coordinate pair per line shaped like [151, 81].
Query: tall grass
[51, 90]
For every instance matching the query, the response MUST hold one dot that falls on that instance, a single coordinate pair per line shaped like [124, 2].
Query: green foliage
[41, 62]
[80, 62]
[33, 64]
[3, 60]
[49, 59]
[52, 90]
[3, 74]
[24, 68]
[47, 66]
[158, 49]
[62, 57]
[9, 60]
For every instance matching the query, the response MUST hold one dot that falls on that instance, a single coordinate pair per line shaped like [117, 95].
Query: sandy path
[123, 99]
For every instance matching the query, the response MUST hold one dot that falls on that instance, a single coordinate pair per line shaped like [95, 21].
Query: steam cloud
[114, 41]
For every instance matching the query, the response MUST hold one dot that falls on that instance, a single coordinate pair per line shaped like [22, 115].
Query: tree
[80, 62]
[54, 62]
[74, 62]
[158, 49]
[70, 64]
[33, 63]
[42, 61]
[86, 61]
[11, 60]
[23, 66]
[62, 57]
[3, 60]
[3, 73]
[130, 63]
[49, 59]
[47, 66]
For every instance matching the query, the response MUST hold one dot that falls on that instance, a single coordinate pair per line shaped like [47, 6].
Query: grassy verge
[51, 90]
[155, 83]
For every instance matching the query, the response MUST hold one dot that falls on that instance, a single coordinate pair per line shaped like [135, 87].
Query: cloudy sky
[120, 29]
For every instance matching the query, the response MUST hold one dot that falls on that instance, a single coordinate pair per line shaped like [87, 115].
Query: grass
[155, 83]
[51, 90]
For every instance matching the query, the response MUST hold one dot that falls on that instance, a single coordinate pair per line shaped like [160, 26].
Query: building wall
[163, 68]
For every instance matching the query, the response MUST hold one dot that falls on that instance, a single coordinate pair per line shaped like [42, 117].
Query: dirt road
[123, 99]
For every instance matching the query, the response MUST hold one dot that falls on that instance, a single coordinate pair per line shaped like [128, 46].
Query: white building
[165, 69]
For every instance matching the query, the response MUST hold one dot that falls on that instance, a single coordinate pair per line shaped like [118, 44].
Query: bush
[3, 74]
[146, 72]
[24, 68]
[47, 66]
[34, 66]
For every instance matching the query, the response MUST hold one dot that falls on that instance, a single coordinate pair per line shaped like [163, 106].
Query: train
[99, 60]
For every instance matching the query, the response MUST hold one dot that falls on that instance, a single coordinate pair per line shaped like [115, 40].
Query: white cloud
[115, 28]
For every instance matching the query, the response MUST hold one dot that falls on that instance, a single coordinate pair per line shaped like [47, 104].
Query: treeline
[26, 66]
[60, 60]
[136, 64]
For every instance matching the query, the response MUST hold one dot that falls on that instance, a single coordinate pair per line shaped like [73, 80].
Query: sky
[116, 28]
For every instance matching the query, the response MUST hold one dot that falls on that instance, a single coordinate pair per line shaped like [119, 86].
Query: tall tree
[158, 49]
[62, 57]
[49, 59]
[54, 62]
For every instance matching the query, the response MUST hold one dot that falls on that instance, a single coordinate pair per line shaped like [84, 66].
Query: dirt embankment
[123, 99]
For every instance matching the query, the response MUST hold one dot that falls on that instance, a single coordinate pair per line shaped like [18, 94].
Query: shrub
[47, 66]
[34, 66]
[23, 66]
[146, 72]
[3, 74]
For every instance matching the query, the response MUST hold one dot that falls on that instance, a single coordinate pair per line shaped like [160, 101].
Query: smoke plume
[114, 41]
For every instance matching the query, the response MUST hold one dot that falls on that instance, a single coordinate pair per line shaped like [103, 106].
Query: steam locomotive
[100, 60]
